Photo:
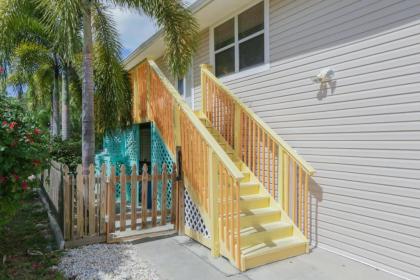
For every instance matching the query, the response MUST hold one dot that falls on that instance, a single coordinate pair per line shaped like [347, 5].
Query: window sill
[245, 73]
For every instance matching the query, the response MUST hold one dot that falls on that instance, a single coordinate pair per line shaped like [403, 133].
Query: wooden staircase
[267, 234]
[249, 185]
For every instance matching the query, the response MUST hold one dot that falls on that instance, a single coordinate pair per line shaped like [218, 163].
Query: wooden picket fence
[90, 211]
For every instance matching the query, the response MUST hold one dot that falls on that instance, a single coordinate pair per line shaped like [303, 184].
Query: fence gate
[141, 205]
[115, 205]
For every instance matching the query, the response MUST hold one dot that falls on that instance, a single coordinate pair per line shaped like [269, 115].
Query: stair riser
[254, 204]
[266, 236]
[256, 220]
[249, 190]
[246, 178]
[280, 254]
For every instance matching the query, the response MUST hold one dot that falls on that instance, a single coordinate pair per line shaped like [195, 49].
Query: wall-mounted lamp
[325, 75]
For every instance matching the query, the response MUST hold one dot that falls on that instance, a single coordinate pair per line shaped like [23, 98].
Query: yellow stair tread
[249, 184]
[257, 196]
[259, 211]
[275, 245]
[264, 227]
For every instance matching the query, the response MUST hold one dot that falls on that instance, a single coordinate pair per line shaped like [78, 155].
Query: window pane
[251, 21]
[251, 52]
[181, 86]
[224, 34]
[225, 62]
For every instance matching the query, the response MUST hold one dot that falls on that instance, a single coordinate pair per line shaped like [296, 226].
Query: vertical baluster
[286, 171]
[264, 170]
[253, 146]
[258, 153]
[294, 180]
[232, 218]
[274, 169]
[306, 214]
[238, 226]
[300, 204]
[133, 197]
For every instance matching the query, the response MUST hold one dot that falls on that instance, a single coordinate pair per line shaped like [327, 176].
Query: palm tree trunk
[55, 109]
[65, 115]
[88, 127]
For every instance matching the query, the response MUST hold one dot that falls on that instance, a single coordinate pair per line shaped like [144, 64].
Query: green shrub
[68, 152]
[23, 147]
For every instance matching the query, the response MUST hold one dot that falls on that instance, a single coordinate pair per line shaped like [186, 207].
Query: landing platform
[182, 258]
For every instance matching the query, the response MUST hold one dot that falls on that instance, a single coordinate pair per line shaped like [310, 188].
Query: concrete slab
[181, 258]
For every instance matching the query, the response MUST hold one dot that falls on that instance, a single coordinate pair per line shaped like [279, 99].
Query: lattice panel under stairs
[193, 218]
[161, 155]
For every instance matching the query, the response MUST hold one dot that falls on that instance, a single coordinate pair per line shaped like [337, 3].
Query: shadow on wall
[315, 197]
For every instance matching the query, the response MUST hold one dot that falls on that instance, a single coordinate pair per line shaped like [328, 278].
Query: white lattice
[193, 217]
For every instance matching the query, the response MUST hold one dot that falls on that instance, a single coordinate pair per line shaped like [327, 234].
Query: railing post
[214, 215]
[204, 87]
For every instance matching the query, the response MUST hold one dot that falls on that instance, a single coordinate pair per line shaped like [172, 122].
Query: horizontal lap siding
[201, 57]
[362, 136]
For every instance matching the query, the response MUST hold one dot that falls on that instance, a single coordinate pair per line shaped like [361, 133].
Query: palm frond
[179, 26]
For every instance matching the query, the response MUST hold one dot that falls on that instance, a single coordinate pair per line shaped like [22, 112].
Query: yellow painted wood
[213, 179]
[237, 133]
[286, 186]
[262, 124]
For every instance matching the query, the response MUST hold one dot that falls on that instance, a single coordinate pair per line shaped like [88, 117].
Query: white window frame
[253, 69]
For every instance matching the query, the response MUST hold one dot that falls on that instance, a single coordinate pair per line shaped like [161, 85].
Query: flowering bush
[23, 148]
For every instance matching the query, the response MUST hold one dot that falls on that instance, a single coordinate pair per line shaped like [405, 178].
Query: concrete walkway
[182, 258]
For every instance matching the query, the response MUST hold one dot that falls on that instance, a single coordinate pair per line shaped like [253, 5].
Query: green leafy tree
[100, 40]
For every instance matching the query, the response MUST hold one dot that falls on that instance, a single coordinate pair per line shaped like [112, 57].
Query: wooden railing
[279, 168]
[208, 170]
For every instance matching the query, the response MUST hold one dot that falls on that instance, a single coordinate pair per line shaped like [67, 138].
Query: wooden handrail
[308, 168]
[217, 149]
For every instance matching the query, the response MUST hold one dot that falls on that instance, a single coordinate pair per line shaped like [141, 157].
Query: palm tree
[100, 40]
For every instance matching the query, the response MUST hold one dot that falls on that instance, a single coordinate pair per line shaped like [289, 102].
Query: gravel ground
[105, 261]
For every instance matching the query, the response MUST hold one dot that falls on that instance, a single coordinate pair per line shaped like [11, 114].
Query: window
[239, 43]
[181, 86]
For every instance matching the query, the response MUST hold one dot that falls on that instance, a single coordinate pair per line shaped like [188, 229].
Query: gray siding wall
[362, 134]
[201, 57]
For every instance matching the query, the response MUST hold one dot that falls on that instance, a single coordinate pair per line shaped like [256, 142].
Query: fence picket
[91, 197]
[163, 197]
[102, 211]
[123, 201]
[80, 192]
[67, 202]
[133, 197]
[111, 202]
[144, 197]
[154, 194]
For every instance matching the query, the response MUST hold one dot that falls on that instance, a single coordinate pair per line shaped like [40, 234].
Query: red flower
[36, 162]
[4, 123]
[24, 185]
[12, 125]
[37, 131]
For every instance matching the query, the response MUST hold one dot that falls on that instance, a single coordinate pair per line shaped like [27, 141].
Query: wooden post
[174, 196]
[144, 186]
[133, 197]
[214, 215]
[163, 195]
[280, 182]
[79, 201]
[123, 200]
[204, 87]
[180, 193]
[67, 203]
